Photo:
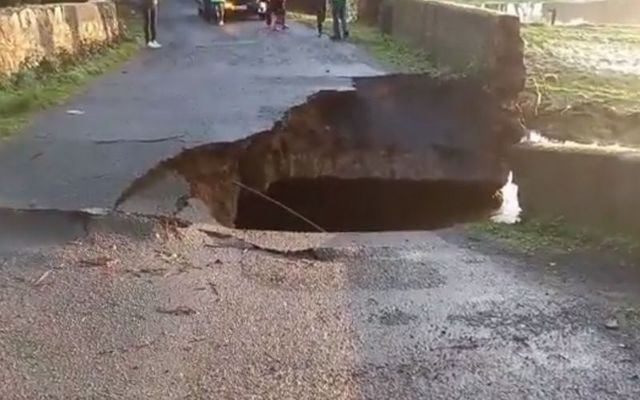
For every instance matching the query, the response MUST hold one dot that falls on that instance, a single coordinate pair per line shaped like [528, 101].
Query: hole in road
[397, 152]
[343, 205]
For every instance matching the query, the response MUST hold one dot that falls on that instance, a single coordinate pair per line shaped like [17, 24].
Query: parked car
[244, 7]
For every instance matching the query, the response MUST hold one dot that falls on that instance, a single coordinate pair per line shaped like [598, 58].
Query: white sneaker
[220, 23]
[154, 45]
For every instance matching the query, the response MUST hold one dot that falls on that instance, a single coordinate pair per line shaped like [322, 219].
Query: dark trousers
[214, 11]
[150, 23]
[339, 14]
[276, 8]
[219, 10]
[321, 15]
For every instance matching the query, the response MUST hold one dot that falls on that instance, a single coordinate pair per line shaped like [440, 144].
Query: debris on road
[167, 256]
[101, 261]
[177, 311]
[214, 288]
[42, 277]
[151, 271]
[75, 112]
[612, 324]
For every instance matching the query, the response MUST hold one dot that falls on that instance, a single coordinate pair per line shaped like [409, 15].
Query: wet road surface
[123, 308]
[208, 84]
[127, 309]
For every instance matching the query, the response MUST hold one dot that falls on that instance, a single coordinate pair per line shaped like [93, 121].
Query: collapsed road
[440, 137]
[163, 297]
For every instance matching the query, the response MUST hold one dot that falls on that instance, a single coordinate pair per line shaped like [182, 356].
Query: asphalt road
[124, 309]
[208, 84]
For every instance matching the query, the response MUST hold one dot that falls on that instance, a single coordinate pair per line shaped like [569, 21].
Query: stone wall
[368, 11]
[586, 186]
[462, 39]
[33, 33]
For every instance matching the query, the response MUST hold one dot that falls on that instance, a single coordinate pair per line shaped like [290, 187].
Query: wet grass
[586, 73]
[582, 83]
[52, 82]
[553, 236]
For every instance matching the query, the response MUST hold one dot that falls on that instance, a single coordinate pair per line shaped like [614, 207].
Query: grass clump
[537, 236]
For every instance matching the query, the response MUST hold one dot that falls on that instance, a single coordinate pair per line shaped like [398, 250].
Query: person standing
[321, 15]
[339, 13]
[276, 14]
[218, 9]
[150, 11]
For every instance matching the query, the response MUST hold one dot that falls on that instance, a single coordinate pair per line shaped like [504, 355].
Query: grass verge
[52, 82]
[573, 64]
[583, 84]
[391, 53]
[553, 237]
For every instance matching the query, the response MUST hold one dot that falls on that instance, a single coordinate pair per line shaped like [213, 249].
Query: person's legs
[284, 14]
[335, 13]
[208, 12]
[319, 22]
[269, 15]
[153, 16]
[219, 12]
[147, 25]
[343, 21]
[321, 16]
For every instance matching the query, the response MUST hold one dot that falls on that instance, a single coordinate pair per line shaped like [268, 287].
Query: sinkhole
[398, 152]
[364, 205]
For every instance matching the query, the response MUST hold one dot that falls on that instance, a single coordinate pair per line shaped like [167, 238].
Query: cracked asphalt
[123, 307]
